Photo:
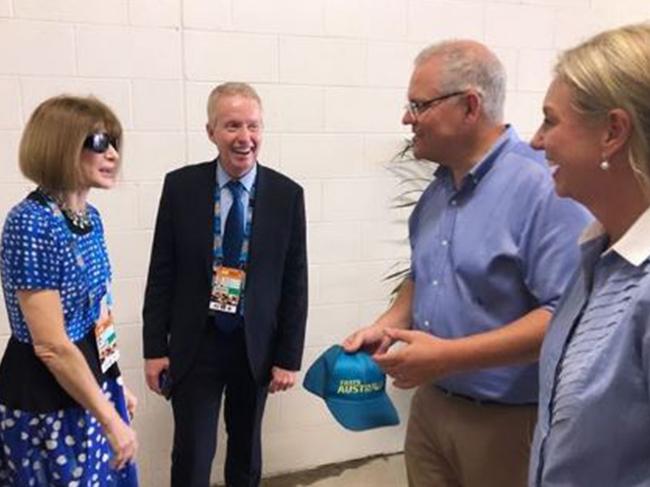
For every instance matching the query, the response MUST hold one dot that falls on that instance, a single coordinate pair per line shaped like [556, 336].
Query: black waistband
[482, 402]
[27, 384]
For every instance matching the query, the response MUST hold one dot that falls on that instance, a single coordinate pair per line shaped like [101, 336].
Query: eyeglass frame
[417, 108]
[99, 142]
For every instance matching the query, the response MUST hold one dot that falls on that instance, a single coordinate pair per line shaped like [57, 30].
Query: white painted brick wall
[128, 52]
[10, 117]
[207, 14]
[148, 196]
[307, 60]
[322, 156]
[157, 105]
[4, 322]
[36, 48]
[509, 58]
[431, 21]
[293, 108]
[389, 64]
[364, 110]
[366, 19]
[327, 323]
[219, 55]
[519, 25]
[117, 207]
[334, 242]
[9, 172]
[91, 11]
[380, 149]
[533, 73]
[199, 148]
[149, 155]
[333, 77]
[270, 153]
[306, 18]
[114, 92]
[313, 200]
[524, 110]
[5, 8]
[155, 13]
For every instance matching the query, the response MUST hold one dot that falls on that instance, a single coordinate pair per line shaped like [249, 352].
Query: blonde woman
[64, 413]
[594, 408]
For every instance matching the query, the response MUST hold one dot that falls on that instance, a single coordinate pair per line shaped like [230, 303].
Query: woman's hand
[123, 441]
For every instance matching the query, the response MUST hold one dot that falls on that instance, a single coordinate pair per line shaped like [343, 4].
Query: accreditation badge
[227, 286]
[106, 337]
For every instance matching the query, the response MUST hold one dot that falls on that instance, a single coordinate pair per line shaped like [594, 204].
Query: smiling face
[436, 130]
[573, 145]
[236, 130]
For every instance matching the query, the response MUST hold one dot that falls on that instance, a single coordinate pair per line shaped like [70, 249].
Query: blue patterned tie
[233, 234]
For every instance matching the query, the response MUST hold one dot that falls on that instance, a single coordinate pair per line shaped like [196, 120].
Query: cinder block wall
[333, 76]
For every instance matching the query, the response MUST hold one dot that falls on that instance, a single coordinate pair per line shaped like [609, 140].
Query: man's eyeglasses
[99, 142]
[416, 108]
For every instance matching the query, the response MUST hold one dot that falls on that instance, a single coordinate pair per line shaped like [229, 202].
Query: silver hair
[468, 64]
[230, 88]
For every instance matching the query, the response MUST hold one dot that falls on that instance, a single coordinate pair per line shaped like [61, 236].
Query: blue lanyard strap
[79, 260]
[217, 249]
[56, 211]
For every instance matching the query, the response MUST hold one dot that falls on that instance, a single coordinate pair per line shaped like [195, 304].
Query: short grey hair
[469, 64]
[230, 88]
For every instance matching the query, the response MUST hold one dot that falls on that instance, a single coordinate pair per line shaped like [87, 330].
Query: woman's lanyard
[79, 259]
[104, 329]
[217, 249]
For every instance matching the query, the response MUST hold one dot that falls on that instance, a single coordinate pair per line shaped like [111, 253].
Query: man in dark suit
[226, 297]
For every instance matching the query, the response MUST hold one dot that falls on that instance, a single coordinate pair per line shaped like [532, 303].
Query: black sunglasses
[99, 142]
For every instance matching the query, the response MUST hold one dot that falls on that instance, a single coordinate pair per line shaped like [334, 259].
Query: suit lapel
[262, 217]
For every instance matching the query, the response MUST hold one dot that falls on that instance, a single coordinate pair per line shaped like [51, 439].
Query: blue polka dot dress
[46, 438]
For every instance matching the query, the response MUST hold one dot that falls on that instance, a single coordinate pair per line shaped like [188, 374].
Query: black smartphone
[165, 383]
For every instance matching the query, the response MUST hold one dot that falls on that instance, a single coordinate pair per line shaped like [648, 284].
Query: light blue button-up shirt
[594, 411]
[490, 252]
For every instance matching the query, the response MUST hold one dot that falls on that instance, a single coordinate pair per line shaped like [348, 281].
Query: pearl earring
[604, 165]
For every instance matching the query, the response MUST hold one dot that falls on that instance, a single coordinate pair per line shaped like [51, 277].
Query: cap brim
[363, 415]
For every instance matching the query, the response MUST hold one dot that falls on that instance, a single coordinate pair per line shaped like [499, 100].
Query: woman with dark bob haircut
[594, 408]
[64, 411]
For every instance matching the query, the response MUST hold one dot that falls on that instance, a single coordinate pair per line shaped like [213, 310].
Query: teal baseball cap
[353, 387]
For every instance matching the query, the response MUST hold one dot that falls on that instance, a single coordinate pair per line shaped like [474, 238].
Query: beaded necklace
[79, 219]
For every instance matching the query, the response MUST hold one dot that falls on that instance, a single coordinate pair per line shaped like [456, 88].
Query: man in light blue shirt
[492, 250]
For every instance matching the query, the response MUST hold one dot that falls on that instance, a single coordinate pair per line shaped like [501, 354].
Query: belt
[482, 402]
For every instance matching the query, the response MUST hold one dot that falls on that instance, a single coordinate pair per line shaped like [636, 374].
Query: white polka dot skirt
[62, 448]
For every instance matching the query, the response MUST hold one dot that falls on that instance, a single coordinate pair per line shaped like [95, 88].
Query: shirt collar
[633, 246]
[246, 180]
[480, 169]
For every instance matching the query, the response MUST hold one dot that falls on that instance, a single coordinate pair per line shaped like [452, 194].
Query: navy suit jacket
[180, 272]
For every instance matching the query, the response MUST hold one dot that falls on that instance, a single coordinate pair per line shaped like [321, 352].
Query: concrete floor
[378, 471]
